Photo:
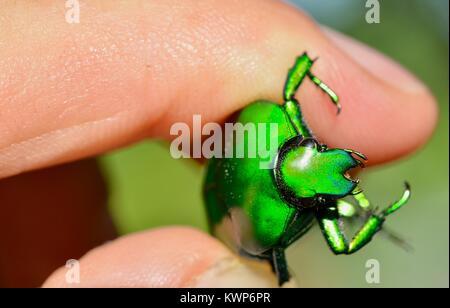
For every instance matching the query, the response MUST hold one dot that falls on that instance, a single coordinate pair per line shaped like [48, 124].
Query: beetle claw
[359, 154]
[361, 164]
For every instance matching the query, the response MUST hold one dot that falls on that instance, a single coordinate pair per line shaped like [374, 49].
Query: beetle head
[308, 173]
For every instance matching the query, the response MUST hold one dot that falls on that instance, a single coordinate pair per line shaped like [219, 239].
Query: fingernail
[376, 63]
[237, 272]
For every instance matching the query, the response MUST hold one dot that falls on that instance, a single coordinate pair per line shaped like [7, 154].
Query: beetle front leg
[297, 73]
[362, 200]
[329, 220]
[333, 96]
[365, 204]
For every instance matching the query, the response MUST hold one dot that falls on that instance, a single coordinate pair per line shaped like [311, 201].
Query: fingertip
[165, 257]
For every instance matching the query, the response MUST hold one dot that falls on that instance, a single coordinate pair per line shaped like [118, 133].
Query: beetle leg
[292, 108]
[361, 199]
[277, 260]
[330, 223]
[364, 203]
[348, 211]
[398, 204]
[279, 265]
[298, 72]
[333, 96]
[295, 77]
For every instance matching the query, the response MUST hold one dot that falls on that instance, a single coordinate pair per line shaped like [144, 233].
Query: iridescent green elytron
[262, 211]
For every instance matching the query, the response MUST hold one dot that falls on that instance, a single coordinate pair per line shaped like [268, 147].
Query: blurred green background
[150, 189]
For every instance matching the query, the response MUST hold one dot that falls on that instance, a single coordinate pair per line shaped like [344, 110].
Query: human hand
[129, 70]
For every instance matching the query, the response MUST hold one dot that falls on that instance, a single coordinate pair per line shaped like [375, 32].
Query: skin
[68, 92]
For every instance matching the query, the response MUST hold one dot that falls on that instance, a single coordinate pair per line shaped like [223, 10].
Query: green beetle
[261, 211]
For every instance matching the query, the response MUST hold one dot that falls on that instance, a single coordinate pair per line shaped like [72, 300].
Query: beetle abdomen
[243, 190]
